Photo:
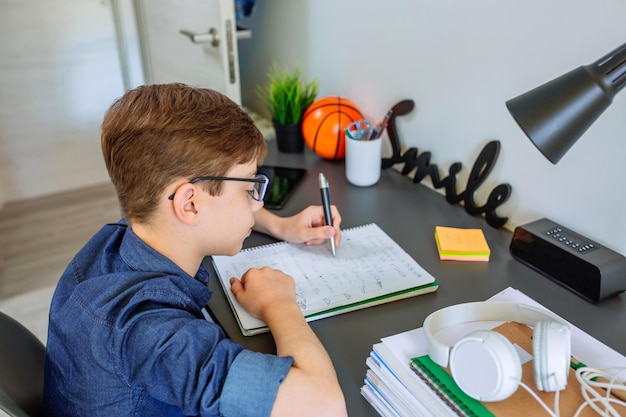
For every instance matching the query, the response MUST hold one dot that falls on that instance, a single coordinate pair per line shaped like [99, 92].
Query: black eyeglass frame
[258, 179]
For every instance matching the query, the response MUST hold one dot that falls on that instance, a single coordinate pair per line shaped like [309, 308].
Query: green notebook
[443, 385]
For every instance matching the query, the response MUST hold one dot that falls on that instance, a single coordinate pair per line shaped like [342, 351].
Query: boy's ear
[184, 203]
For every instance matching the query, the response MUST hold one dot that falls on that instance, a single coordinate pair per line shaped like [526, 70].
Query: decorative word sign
[481, 169]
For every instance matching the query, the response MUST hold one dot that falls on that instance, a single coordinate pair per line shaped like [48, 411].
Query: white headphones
[484, 364]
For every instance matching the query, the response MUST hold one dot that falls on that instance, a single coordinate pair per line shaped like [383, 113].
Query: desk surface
[409, 212]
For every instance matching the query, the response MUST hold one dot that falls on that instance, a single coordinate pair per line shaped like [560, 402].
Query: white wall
[460, 61]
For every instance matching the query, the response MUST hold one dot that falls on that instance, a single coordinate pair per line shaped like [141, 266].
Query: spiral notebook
[370, 269]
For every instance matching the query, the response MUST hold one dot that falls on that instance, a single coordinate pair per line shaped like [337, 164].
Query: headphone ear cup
[551, 355]
[485, 365]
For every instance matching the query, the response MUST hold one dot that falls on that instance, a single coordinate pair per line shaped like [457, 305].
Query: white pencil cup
[363, 161]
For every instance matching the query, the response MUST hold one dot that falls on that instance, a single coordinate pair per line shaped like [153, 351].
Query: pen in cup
[380, 126]
[385, 122]
[326, 204]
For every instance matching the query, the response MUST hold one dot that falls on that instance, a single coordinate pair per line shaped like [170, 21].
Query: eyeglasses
[257, 193]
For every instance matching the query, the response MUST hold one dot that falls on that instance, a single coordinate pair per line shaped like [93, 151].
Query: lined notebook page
[368, 265]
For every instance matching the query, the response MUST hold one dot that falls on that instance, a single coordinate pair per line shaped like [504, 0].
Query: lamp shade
[557, 113]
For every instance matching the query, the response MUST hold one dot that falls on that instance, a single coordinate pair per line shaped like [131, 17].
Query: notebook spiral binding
[279, 243]
[451, 400]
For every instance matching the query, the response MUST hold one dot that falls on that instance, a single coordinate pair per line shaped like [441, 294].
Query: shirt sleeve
[252, 384]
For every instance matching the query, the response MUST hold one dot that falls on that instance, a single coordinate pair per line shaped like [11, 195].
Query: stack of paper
[392, 385]
[461, 244]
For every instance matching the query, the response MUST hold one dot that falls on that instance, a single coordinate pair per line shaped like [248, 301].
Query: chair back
[21, 370]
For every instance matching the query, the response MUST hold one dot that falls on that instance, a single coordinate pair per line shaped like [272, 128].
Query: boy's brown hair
[156, 134]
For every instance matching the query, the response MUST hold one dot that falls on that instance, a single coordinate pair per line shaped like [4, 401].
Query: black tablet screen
[283, 182]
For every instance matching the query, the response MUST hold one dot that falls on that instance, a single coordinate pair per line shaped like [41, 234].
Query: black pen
[326, 205]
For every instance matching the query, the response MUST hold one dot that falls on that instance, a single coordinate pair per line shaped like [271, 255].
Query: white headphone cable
[544, 405]
[589, 379]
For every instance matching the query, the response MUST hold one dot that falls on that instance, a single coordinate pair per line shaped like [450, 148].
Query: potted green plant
[287, 96]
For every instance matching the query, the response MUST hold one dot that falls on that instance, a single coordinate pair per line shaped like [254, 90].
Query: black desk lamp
[557, 113]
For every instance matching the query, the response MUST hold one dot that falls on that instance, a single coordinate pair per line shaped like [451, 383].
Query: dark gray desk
[409, 213]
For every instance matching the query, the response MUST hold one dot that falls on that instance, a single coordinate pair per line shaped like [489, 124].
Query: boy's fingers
[317, 235]
[235, 285]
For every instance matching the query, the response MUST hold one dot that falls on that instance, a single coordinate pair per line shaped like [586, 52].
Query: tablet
[283, 182]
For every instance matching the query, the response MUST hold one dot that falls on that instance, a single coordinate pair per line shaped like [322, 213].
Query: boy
[127, 334]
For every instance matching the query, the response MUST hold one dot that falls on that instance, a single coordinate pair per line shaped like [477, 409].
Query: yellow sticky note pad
[461, 244]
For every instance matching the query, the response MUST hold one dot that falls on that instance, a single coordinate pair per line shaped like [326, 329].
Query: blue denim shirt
[127, 338]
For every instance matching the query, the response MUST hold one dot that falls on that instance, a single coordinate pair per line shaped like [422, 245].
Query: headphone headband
[439, 352]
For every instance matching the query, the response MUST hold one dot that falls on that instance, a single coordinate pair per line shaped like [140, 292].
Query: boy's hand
[308, 226]
[261, 290]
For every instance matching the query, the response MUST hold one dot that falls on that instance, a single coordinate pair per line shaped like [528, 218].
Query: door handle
[211, 37]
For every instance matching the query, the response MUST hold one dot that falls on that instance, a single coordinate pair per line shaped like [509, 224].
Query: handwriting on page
[368, 264]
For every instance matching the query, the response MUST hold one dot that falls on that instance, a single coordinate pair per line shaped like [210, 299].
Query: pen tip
[322, 181]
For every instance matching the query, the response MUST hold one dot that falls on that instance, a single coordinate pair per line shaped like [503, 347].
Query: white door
[190, 41]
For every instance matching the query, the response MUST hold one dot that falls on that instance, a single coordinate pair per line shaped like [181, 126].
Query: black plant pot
[289, 138]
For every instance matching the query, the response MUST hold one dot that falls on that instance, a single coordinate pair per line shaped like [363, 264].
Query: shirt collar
[141, 257]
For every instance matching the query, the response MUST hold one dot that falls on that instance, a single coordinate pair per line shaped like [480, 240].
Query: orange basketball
[324, 123]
